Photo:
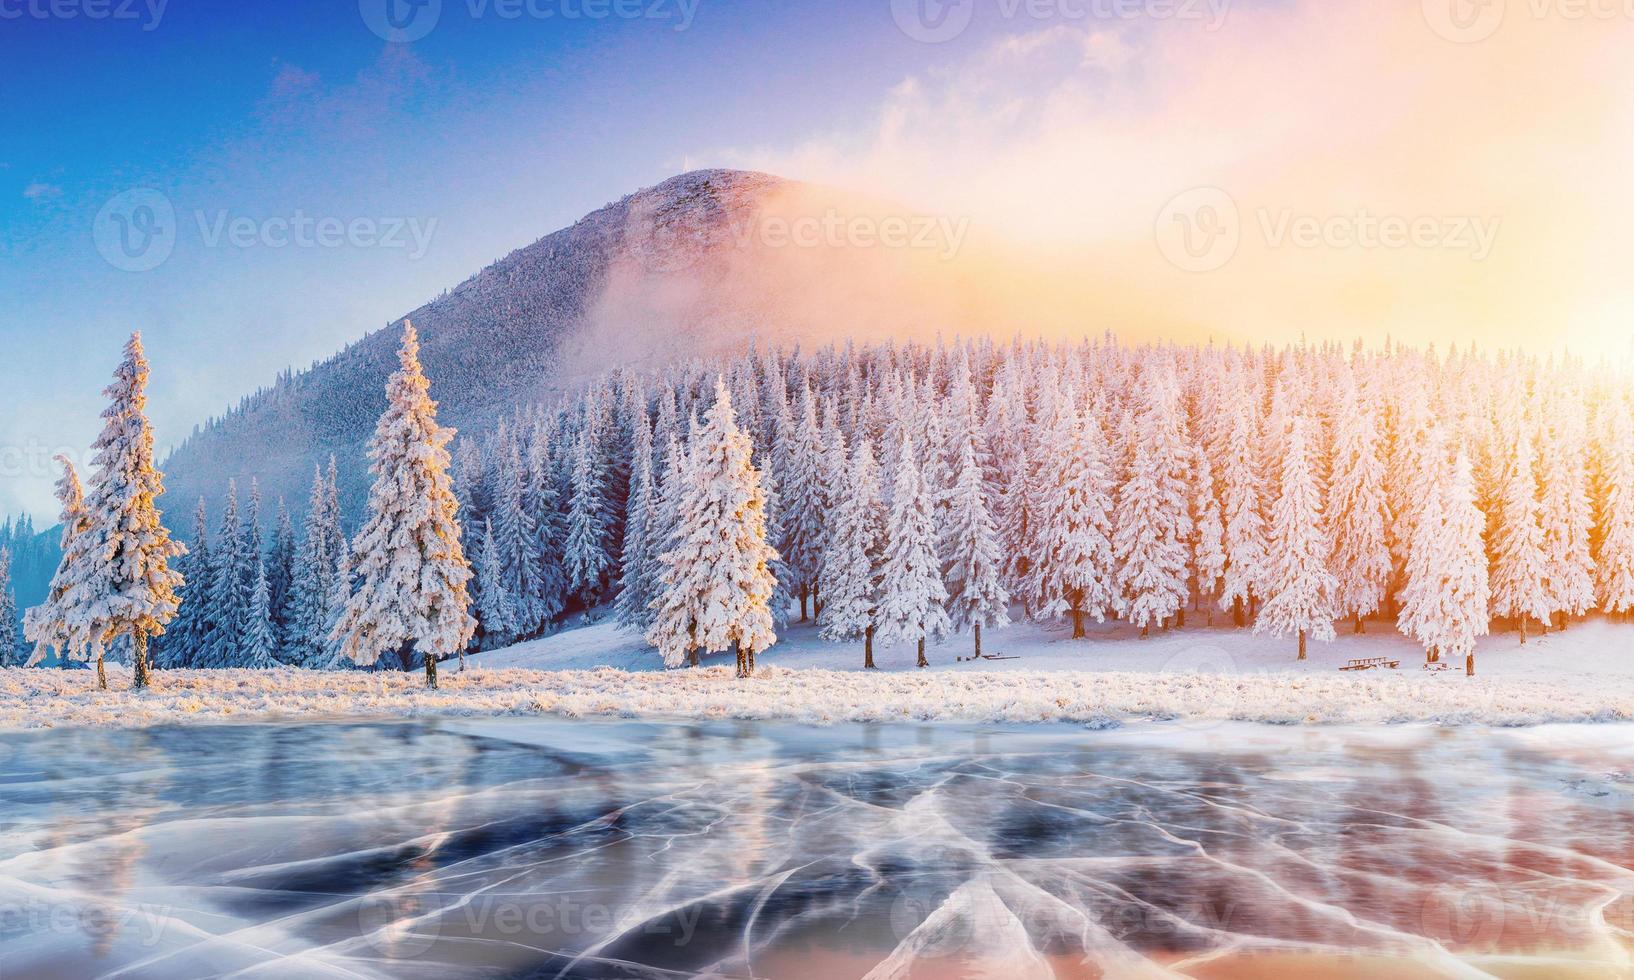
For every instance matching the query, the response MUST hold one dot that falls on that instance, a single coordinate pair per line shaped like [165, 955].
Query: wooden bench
[1369, 663]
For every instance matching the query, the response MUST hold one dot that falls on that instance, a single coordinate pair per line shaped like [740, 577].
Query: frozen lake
[561, 848]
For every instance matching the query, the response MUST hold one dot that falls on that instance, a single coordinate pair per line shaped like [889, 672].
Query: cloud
[41, 192]
[1070, 139]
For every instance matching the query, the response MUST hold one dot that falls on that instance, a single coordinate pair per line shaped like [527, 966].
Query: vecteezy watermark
[403, 21]
[1200, 230]
[1471, 21]
[936, 21]
[403, 925]
[149, 12]
[665, 247]
[144, 924]
[136, 231]
[34, 459]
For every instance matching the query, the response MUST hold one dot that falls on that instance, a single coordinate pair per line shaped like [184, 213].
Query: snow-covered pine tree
[803, 492]
[1567, 512]
[972, 567]
[1519, 575]
[716, 583]
[1240, 502]
[307, 629]
[53, 626]
[1299, 588]
[518, 541]
[851, 561]
[228, 603]
[638, 579]
[913, 599]
[281, 569]
[1073, 528]
[1359, 509]
[188, 632]
[1153, 521]
[332, 655]
[260, 639]
[1208, 540]
[120, 580]
[543, 496]
[1615, 569]
[585, 557]
[410, 565]
[8, 613]
[496, 611]
[1466, 588]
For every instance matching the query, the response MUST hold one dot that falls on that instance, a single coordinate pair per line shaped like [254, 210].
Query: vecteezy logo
[933, 21]
[136, 231]
[1464, 21]
[1199, 230]
[400, 21]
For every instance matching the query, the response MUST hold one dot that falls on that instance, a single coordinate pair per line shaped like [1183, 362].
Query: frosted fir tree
[1615, 569]
[585, 557]
[51, 626]
[1567, 513]
[307, 628]
[121, 584]
[1519, 573]
[1076, 571]
[517, 539]
[542, 496]
[804, 496]
[188, 632]
[1444, 603]
[496, 612]
[972, 567]
[227, 606]
[1299, 599]
[410, 567]
[716, 582]
[1245, 538]
[852, 561]
[638, 579]
[260, 639]
[1208, 542]
[913, 599]
[1359, 510]
[8, 613]
[1153, 518]
[280, 560]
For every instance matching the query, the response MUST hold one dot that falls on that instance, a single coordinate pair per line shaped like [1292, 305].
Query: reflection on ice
[589, 849]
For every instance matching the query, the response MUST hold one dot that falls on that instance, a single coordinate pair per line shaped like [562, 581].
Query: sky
[255, 185]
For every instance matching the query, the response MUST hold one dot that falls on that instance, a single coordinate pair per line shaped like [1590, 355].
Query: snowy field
[1199, 676]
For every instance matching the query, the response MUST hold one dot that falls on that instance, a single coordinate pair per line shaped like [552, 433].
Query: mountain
[698, 264]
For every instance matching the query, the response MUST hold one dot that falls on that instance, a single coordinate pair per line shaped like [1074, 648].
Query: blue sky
[498, 130]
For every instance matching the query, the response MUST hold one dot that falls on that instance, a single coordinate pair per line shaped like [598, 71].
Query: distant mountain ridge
[675, 270]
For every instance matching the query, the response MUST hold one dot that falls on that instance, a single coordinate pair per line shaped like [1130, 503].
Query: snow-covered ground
[1200, 676]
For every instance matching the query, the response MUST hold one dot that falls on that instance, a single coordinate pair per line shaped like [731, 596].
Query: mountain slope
[696, 264]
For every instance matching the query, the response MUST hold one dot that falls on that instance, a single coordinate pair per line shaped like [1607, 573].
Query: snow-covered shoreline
[50, 698]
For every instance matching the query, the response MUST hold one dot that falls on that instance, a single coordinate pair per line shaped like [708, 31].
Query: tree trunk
[751, 663]
[1360, 627]
[692, 657]
[1469, 665]
[817, 600]
[1302, 644]
[1077, 623]
[805, 595]
[743, 663]
[922, 661]
[868, 649]
[101, 672]
[139, 660]
[431, 670]
[1523, 631]
[1237, 612]
[1145, 631]
[1180, 618]
[462, 661]
[976, 631]
[1433, 656]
